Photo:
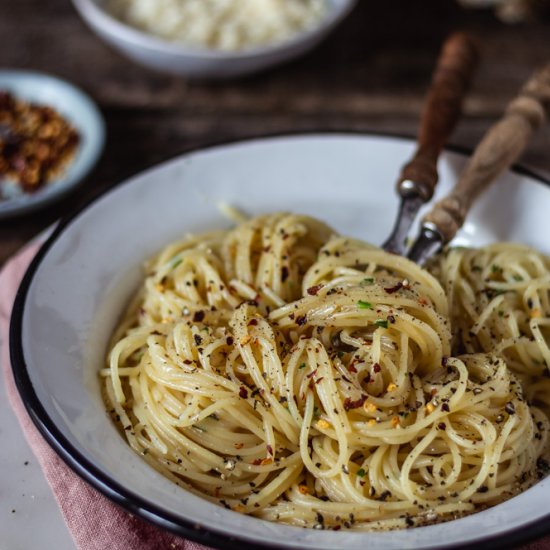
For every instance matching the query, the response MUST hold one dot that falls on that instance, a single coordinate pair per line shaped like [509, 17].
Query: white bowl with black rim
[76, 287]
[205, 63]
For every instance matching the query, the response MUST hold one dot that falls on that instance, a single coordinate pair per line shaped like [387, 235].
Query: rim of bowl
[52, 192]
[139, 505]
[100, 17]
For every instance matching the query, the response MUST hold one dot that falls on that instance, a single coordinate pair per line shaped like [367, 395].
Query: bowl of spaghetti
[281, 381]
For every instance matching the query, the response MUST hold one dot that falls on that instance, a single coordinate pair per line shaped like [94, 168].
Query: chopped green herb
[175, 262]
[518, 278]
[381, 323]
[367, 281]
[302, 366]
[364, 305]
[500, 313]
[361, 472]
[495, 268]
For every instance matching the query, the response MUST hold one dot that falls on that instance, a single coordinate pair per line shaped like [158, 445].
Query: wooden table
[369, 76]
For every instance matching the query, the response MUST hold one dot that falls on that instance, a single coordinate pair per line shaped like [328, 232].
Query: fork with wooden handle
[498, 150]
[442, 107]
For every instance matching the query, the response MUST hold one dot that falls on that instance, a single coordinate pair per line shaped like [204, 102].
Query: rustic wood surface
[370, 75]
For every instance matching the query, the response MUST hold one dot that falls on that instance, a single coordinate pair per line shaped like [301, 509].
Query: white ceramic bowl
[75, 289]
[166, 56]
[79, 110]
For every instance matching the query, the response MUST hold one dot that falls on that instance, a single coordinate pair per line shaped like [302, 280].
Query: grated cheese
[220, 24]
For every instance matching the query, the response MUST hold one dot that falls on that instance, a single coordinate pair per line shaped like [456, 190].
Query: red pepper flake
[319, 379]
[349, 404]
[36, 144]
[229, 340]
[253, 322]
[391, 319]
[351, 368]
[444, 361]
[187, 361]
[262, 461]
[301, 320]
[198, 317]
[198, 339]
[284, 273]
[445, 407]
[376, 368]
[311, 374]
[243, 392]
[313, 290]
[392, 289]
[269, 449]
[245, 340]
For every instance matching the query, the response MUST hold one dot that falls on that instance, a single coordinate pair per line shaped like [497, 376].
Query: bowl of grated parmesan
[213, 38]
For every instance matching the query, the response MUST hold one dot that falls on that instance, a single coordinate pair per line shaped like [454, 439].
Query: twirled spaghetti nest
[301, 377]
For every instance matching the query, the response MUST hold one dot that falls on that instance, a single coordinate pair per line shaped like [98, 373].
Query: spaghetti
[301, 377]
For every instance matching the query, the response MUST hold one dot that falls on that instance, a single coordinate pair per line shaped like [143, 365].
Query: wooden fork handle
[497, 151]
[443, 105]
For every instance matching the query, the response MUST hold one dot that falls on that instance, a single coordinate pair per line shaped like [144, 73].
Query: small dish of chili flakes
[51, 135]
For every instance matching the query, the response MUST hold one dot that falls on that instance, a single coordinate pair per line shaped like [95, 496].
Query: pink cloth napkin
[94, 521]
